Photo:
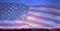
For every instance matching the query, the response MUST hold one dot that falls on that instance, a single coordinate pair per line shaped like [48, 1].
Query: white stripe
[44, 21]
[45, 15]
[14, 27]
[33, 25]
[46, 9]
[3, 27]
[37, 26]
[12, 22]
[23, 27]
[8, 22]
[19, 21]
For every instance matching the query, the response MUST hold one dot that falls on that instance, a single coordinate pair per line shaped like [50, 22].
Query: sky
[34, 2]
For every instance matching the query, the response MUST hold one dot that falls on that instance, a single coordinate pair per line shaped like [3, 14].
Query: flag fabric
[44, 16]
[12, 15]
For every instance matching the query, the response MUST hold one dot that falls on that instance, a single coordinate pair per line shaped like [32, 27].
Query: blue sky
[34, 2]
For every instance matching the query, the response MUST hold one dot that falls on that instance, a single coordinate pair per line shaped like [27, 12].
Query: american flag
[12, 15]
[44, 16]
[18, 16]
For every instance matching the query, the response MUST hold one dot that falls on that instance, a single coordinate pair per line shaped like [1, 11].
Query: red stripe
[40, 17]
[48, 12]
[47, 6]
[20, 24]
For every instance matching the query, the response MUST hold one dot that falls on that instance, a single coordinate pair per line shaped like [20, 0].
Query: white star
[16, 8]
[5, 5]
[8, 18]
[21, 16]
[23, 6]
[8, 6]
[11, 8]
[2, 7]
[2, 10]
[5, 16]
[8, 10]
[2, 17]
[8, 14]
[25, 11]
[15, 12]
[5, 9]
[5, 12]
[15, 16]
[21, 12]
[24, 14]
[18, 14]
[2, 14]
